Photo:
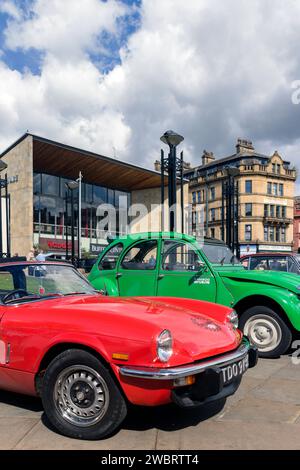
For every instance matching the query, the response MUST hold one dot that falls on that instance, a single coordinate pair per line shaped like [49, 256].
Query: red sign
[54, 244]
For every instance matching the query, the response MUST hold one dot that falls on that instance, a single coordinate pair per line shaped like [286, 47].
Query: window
[213, 233]
[278, 212]
[283, 234]
[178, 256]
[269, 188]
[6, 282]
[194, 197]
[259, 264]
[281, 191]
[142, 256]
[248, 233]
[100, 195]
[213, 215]
[271, 234]
[277, 234]
[50, 185]
[109, 260]
[278, 264]
[37, 183]
[266, 210]
[213, 193]
[88, 193]
[292, 267]
[283, 212]
[273, 168]
[266, 233]
[111, 196]
[199, 197]
[248, 186]
[248, 210]
[272, 211]
[275, 189]
[278, 169]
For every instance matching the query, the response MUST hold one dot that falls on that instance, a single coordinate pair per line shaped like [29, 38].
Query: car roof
[175, 235]
[257, 255]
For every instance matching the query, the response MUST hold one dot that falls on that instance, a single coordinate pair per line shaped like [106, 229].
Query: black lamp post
[71, 186]
[4, 186]
[230, 210]
[174, 168]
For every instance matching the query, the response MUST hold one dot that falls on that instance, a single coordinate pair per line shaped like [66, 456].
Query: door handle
[160, 276]
[118, 275]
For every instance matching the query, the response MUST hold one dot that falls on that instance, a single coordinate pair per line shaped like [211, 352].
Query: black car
[284, 262]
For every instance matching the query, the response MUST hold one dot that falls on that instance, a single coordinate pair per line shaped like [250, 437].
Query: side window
[278, 264]
[292, 267]
[259, 264]
[142, 256]
[178, 256]
[109, 260]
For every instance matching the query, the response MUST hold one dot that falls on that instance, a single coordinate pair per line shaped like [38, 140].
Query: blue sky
[32, 59]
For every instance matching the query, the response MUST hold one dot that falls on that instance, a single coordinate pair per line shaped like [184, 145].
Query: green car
[175, 265]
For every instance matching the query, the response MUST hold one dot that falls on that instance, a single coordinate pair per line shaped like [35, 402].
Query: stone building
[297, 224]
[266, 197]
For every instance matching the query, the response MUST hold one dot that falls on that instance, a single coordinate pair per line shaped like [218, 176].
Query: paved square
[263, 414]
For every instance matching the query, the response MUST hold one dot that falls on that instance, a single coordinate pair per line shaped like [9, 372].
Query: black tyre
[266, 330]
[80, 397]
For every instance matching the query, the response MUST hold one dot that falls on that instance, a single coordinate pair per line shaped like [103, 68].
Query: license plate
[233, 371]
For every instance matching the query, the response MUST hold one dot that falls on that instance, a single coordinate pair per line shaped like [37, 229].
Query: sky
[112, 76]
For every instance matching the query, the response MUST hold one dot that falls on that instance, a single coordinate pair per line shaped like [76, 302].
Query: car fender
[288, 301]
[90, 341]
[108, 286]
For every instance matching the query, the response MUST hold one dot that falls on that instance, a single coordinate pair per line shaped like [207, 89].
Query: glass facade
[50, 207]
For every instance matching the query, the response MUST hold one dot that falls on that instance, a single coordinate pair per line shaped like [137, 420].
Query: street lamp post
[230, 209]
[173, 167]
[71, 186]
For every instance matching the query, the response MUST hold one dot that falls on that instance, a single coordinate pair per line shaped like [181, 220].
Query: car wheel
[266, 330]
[80, 397]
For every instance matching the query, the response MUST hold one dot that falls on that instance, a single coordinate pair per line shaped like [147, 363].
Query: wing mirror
[201, 267]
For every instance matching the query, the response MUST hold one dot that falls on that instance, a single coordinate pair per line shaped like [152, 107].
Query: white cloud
[211, 70]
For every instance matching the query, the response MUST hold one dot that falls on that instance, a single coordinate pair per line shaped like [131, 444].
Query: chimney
[157, 165]
[244, 146]
[207, 157]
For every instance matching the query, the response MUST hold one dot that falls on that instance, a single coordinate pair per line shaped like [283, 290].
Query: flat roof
[59, 159]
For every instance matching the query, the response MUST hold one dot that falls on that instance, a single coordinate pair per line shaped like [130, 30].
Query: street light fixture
[173, 166]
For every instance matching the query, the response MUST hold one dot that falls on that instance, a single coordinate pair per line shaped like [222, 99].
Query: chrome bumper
[192, 369]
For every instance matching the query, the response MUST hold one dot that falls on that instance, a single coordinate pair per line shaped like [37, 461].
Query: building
[266, 198]
[37, 170]
[297, 224]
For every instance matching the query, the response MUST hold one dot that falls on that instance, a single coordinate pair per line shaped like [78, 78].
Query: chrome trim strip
[183, 371]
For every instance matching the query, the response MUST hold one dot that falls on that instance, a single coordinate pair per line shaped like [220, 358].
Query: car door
[137, 271]
[184, 273]
[104, 274]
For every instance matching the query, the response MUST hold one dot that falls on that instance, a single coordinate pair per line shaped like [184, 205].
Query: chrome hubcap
[264, 332]
[81, 395]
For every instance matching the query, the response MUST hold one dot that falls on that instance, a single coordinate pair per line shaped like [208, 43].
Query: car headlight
[164, 346]
[233, 318]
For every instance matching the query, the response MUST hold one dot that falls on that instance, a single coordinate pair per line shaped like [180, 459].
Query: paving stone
[285, 391]
[233, 435]
[42, 438]
[257, 409]
[13, 429]
[289, 372]
[268, 367]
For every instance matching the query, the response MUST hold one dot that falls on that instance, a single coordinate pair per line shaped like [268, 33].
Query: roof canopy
[63, 160]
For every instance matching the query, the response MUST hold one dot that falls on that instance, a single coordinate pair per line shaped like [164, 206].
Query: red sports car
[88, 355]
